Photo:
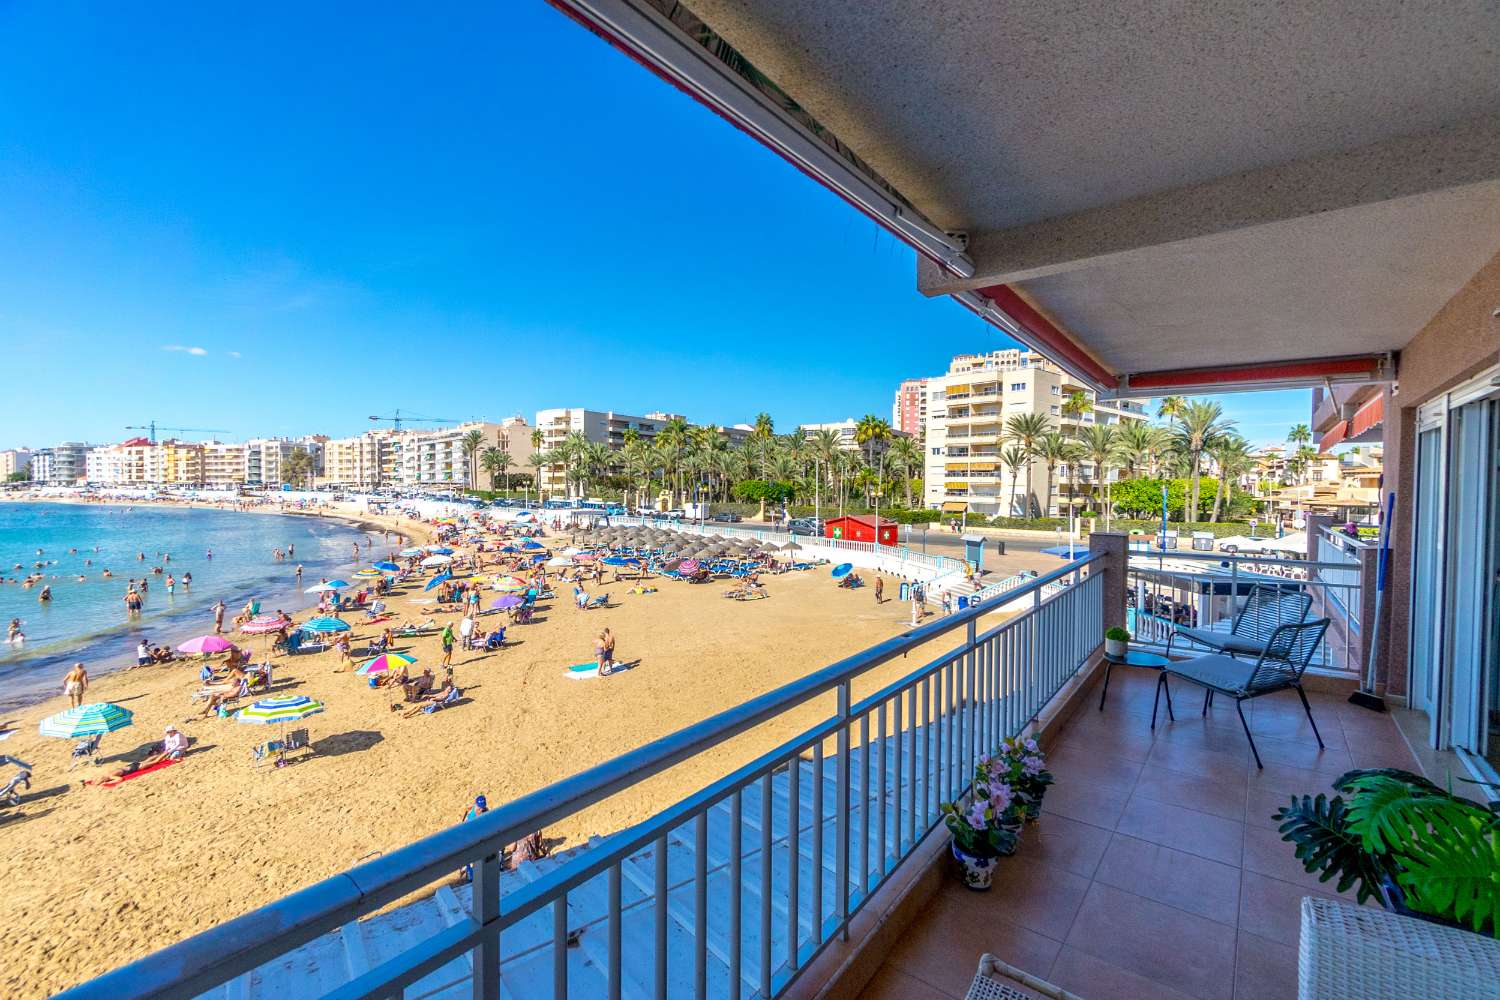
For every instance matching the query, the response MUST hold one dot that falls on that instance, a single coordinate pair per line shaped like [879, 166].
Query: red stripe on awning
[1257, 373]
[1334, 435]
[1048, 337]
[1367, 416]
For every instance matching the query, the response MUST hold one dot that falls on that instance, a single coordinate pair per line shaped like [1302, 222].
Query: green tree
[1231, 453]
[1027, 430]
[1170, 408]
[1076, 405]
[1013, 458]
[905, 455]
[1300, 434]
[471, 443]
[298, 468]
[489, 460]
[19, 476]
[1136, 442]
[869, 432]
[1202, 426]
[1054, 449]
[538, 460]
[1101, 448]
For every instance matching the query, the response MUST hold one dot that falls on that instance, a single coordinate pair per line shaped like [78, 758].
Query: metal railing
[896, 754]
[1204, 590]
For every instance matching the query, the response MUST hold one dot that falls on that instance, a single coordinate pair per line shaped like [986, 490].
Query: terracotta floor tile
[1066, 843]
[1202, 762]
[1264, 970]
[1033, 895]
[1069, 761]
[1275, 777]
[892, 984]
[1208, 888]
[1182, 829]
[1267, 854]
[1180, 950]
[1127, 744]
[1081, 973]
[1091, 802]
[943, 945]
[1272, 908]
[1303, 753]
[1223, 796]
[1261, 804]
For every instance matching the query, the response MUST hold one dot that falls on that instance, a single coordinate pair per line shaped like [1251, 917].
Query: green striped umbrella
[86, 720]
[288, 708]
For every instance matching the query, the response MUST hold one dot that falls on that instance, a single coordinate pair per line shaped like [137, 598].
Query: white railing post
[486, 910]
[841, 814]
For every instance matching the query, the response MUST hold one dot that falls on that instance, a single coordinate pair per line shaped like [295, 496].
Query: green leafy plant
[1398, 831]
[1116, 634]
[988, 825]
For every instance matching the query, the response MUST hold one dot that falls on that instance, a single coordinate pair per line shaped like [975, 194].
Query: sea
[86, 618]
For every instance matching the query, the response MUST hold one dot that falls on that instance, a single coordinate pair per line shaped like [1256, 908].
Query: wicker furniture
[997, 980]
[1363, 953]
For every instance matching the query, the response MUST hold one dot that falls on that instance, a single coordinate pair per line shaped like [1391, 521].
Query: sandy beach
[101, 876]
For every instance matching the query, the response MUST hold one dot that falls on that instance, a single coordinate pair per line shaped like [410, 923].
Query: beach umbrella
[263, 625]
[325, 624]
[508, 601]
[559, 561]
[584, 557]
[438, 580]
[673, 565]
[439, 550]
[384, 662]
[621, 561]
[412, 552]
[206, 644]
[529, 544]
[689, 566]
[338, 584]
[86, 720]
[388, 567]
[278, 712]
[509, 550]
[510, 583]
[842, 570]
[437, 561]
[572, 550]
[791, 547]
[319, 588]
[367, 574]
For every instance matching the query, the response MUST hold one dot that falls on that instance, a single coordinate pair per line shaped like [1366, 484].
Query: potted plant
[1116, 641]
[1024, 768]
[987, 827]
[1420, 850]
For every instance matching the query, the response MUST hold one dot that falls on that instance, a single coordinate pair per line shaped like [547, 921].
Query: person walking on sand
[447, 639]
[75, 684]
[219, 617]
[879, 589]
[299, 574]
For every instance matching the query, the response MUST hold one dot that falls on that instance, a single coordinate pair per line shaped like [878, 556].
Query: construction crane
[185, 430]
[398, 420]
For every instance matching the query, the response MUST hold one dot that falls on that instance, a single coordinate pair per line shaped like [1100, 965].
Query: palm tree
[905, 455]
[1202, 425]
[1052, 449]
[1013, 458]
[1300, 435]
[538, 460]
[1027, 430]
[489, 460]
[1100, 446]
[870, 431]
[1231, 453]
[1171, 407]
[1076, 405]
[471, 443]
[764, 426]
[672, 439]
[536, 439]
[1135, 443]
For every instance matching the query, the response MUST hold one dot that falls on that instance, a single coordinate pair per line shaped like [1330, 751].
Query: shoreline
[104, 665]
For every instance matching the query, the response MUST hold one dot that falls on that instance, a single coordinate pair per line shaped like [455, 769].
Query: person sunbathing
[393, 678]
[445, 695]
[173, 745]
[414, 689]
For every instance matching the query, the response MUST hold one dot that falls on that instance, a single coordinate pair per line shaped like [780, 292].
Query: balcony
[1156, 870]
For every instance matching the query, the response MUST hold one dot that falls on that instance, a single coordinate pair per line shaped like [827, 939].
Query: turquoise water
[86, 619]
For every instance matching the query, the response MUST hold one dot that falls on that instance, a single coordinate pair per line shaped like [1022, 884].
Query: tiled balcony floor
[1156, 870]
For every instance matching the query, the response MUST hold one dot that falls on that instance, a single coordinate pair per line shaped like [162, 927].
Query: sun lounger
[295, 740]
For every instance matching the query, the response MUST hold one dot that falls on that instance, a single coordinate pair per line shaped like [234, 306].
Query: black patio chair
[1267, 608]
[1279, 666]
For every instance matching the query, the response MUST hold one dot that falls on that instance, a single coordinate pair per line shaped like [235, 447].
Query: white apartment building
[371, 459]
[967, 411]
[14, 460]
[437, 457]
[846, 429]
[223, 463]
[266, 458]
[61, 465]
[604, 426]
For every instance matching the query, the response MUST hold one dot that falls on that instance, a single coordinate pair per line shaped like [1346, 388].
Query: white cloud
[234, 354]
[196, 352]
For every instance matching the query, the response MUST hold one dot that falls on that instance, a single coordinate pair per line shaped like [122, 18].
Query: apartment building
[266, 458]
[61, 465]
[604, 426]
[967, 411]
[223, 463]
[438, 457]
[367, 460]
[909, 410]
[14, 460]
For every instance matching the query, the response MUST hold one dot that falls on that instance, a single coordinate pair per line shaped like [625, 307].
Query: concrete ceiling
[1174, 184]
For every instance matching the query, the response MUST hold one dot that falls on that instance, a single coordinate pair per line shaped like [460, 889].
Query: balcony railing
[803, 838]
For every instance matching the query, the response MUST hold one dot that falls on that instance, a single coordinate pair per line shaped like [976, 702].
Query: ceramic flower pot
[976, 871]
[1116, 647]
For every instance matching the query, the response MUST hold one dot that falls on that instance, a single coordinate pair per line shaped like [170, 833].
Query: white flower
[1000, 798]
[975, 815]
[1031, 745]
[1032, 765]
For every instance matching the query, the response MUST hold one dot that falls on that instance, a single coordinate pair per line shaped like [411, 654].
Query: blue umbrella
[388, 567]
[620, 561]
[439, 550]
[842, 570]
[528, 544]
[86, 720]
[325, 624]
[510, 548]
[438, 580]
[338, 584]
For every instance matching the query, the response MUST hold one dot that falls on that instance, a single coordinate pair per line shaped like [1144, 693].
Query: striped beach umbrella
[412, 552]
[367, 574]
[325, 624]
[86, 720]
[388, 567]
[384, 662]
[264, 625]
[288, 708]
[510, 583]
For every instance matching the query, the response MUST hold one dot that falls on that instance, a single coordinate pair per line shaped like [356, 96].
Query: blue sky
[284, 220]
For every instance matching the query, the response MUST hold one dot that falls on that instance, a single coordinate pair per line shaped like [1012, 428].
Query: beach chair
[495, 639]
[598, 601]
[450, 699]
[85, 750]
[523, 615]
[375, 610]
[297, 739]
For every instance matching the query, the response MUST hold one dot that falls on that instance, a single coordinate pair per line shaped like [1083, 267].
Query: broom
[1366, 697]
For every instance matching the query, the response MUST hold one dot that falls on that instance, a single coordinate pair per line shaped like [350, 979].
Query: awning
[955, 506]
[1369, 416]
[956, 484]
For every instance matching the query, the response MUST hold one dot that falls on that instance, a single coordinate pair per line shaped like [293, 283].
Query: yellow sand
[96, 877]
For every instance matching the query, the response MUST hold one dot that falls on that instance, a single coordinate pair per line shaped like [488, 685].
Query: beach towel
[114, 782]
[378, 619]
[582, 671]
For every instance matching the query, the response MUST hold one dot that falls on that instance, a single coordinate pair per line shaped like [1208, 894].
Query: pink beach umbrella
[206, 644]
[263, 625]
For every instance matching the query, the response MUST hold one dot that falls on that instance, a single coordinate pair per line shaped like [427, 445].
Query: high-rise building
[437, 457]
[602, 426]
[847, 431]
[968, 410]
[909, 411]
[14, 460]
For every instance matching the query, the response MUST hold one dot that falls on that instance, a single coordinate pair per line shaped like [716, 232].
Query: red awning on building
[1367, 417]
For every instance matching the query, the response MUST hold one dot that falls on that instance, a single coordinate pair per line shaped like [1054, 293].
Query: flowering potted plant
[989, 825]
[1116, 641]
[1025, 770]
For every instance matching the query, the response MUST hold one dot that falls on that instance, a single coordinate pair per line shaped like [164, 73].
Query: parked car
[726, 517]
[806, 526]
[676, 514]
